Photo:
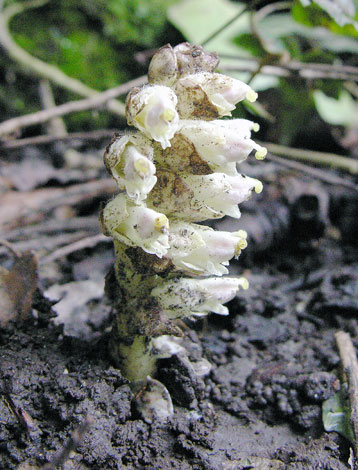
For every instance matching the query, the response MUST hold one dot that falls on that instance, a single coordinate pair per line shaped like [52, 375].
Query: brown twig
[350, 368]
[88, 224]
[289, 70]
[47, 243]
[100, 99]
[27, 206]
[319, 158]
[49, 139]
[314, 172]
[87, 242]
[293, 68]
[56, 125]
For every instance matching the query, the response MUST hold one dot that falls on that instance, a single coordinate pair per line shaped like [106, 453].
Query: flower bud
[209, 95]
[132, 170]
[186, 297]
[152, 110]
[221, 143]
[197, 249]
[193, 59]
[136, 225]
[163, 67]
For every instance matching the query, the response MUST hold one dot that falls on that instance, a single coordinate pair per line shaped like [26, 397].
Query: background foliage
[98, 41]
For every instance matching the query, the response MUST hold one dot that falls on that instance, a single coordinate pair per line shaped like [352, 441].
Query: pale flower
[132, 170]
[222, 144]
[197, 249]
[151, 109]
[220, 193]
[186, 297]
[136, 225]
[221, 91]
[139, 174]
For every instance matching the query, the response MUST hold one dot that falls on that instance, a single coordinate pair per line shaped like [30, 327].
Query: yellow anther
[241, 245]
[258, 186]
[242, 234]
[161, 223]
[141, 166]
[251, 95]
[256, 127]
[244, 283]
[168, 115]
[261, 153]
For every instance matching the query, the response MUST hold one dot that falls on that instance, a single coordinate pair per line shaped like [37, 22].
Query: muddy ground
[274, 359]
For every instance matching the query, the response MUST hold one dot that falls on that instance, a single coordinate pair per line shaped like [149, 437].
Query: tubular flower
[136, 225]
[139, 173]
[196, 249]
[187, 297]
[221, 91]
[132, 170]
[201, 197]
[152, 110]
[219, 194]
[221, 143]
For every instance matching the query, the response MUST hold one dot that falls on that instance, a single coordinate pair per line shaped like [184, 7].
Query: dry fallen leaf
[72, 299]
[17, 287]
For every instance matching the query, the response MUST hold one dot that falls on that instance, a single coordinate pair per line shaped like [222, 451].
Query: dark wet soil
[274, 362]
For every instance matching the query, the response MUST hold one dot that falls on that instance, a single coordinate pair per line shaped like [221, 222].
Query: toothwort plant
[178, 169]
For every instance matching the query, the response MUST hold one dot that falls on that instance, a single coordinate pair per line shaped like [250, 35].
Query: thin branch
[55, 126]
[49, 139]
[317, 173]
[31, 206]
[350, 368]
[37, 66]
[53, 226]
[289, 69]
[11, 125]
[293, 68]
[48, 244]
[319, 158]
[87, 242]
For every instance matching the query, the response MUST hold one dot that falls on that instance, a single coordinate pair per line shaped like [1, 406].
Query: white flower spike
[179, 169]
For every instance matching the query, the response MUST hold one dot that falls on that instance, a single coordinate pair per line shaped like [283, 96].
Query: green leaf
[336, 415]
[283, 25]
[340, 112]
[198, 19]
[315, 16]
[342, 11]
